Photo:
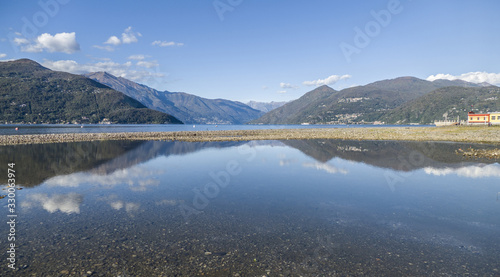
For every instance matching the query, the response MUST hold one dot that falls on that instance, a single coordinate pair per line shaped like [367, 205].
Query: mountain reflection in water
[39, 162]
[297, 208]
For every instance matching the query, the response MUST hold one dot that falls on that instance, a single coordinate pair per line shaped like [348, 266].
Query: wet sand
[474, 134]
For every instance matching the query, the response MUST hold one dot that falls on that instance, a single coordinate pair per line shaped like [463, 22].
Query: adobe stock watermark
[12, 215]
[363, 37]
[32, 25]
[218, 181]
[155, 77]
[223, 6]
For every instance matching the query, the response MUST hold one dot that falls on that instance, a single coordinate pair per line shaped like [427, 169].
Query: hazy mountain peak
[265, 106]
[102, 74]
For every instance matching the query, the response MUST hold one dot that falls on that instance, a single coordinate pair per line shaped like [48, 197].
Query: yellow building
[495, 118]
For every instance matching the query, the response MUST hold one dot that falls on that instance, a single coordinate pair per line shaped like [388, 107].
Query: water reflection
[296, 208]
[67, 203]
[137, 178]
[473, 171]
[39, 162]
[397, 155]
[325, 167]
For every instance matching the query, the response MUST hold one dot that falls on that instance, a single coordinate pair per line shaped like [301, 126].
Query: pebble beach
[480, 134]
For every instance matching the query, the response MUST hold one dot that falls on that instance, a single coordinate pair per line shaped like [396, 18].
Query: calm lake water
[267, 208]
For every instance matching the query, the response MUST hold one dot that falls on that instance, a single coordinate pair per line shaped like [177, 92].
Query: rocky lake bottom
[252, 208]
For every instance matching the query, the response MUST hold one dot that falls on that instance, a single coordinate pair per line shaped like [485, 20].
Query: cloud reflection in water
[67, 203]
[138, 178]
[475, 171]
[325, 167]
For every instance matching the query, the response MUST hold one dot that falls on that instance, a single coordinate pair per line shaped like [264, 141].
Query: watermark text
[11, 216]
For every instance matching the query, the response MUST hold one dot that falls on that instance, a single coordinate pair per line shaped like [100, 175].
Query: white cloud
[132, 207]
[281, 91]
[117, 205]
[128, 36]
[147, 64]
[137, 178]
[32, 48]
[168, 202]
[129, 207]
[107, 48]
[76, 68]
[286, 85]
[142, 185]
[125, 70]
[325, 167]
[492, 170]
[286, 162]
[137, 57]
[99, 58]
[66, 203]
[3, 55]
[327, 81]
[473, 77]
[166, 43]
[21, 41]
[113, 40]
[265, 87]
[61, 42]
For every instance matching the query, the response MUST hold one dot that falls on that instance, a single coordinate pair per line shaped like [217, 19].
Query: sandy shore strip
[474, 134]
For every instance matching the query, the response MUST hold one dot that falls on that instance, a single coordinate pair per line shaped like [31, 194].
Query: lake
[259, 208]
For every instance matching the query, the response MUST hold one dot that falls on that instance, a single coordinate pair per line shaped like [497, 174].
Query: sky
[258, 50]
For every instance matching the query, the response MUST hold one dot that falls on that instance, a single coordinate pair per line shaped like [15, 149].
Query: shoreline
[475, 134]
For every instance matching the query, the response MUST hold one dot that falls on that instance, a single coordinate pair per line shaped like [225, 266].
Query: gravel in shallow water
[458, 134]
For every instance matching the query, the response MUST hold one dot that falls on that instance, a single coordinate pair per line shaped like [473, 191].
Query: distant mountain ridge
[368, 103]
[265, 106]
[187, 107]
[31, 93]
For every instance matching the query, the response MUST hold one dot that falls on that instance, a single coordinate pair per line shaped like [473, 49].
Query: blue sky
[257, 50]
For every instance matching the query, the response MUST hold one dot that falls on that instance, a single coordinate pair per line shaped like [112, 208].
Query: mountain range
[389, 101]
[265, 106]
[446, 103]
[186, 107]
[31, 93]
